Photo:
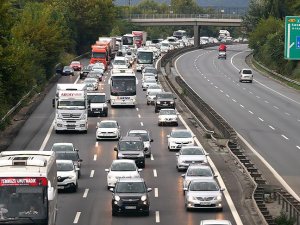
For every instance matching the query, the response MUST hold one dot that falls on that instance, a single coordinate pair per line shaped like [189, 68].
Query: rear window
[247, 71]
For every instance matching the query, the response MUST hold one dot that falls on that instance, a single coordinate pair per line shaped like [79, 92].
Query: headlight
[141, 155]
[191, 198]
[158, 102]
[171, 102]
[59, 116]
[144, 198]
[219, 197]
[109, 177]
[117, 198]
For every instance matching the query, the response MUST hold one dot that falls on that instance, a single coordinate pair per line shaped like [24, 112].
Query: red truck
[101, 52]
[140, 38]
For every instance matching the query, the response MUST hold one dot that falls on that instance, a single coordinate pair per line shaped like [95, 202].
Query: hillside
[204, 3]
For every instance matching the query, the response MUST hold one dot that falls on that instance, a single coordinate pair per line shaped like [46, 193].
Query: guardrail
[288, 203]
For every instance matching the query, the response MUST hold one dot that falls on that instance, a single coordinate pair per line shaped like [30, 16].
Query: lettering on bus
[24, 181]
[124, 97]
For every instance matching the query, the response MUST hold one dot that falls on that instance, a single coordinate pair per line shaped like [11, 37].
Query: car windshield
[153, 93]
[64, 166]
[107, 125]
[192, 151]
[150, 80]
[150, 70]
[62, 148]
[67, 155]
[119, 62]
[200, 172]
[67, 68]
[167, 112]
[144, 136]
[131, 145]
[96, 98]
[165, 95]
[181, 134]
[203, 186]
[130, 187]
[123, 166]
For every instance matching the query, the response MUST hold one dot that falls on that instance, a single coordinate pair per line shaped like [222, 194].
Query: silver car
[146, 138]
[246, 75]
[197, 171]
[215, 222]
[203, 194]
[147, 82]
[189, 155]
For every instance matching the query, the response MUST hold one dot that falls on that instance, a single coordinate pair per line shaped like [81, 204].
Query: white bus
[123, 84]
[144, 57]
[28, 187]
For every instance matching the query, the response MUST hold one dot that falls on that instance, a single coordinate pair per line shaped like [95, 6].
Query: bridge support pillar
[197, 35]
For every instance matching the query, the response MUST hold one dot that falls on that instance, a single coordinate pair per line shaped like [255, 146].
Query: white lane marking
[275, 107]
[92, 173]
[242, 106]
[139, 115]
[47, 137]
[157, 220]
[95, 157]
[212, 83]
[298, 147]
[77, 217]
[96, 144]
[261, 119]
[250, 112]
[257, 96]
[266, 102]
[285, 137]
[250, 92]
[287, 114]
[142, 124]
[271, 127]
[86, 191]
[137, 109]
[273, 171]
[154, 173]
[216, 86]
[227, 96]
[207, 79]
[221, 91]
[155, 192]
[233, 100]
[151, 157]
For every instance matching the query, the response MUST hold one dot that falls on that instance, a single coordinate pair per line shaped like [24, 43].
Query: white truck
[71, 108]
[97, 104]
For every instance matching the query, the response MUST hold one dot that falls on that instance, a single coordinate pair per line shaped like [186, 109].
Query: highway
[265, 113]
[92, 203]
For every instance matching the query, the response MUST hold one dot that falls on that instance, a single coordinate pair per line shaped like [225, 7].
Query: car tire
[250, 81]
[147, 213]
[143, 165]
[159, 124]
[220, 209]
[74, 189]
[176, 124]
[156, 110]
[148, 103]
[113, 213]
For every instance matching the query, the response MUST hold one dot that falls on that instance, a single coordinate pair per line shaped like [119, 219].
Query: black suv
[164, 100]
[130, 195]
[131, 148]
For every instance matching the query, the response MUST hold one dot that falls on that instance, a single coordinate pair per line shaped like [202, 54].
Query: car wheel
[156, 110]
[74, 189]
[85, 131]
[159, 124]
[176, 124]
[178, 169]
[147, 213]
[250, 81]
[113, 213]
[143, 165]
[169, 148]
[148, 103]
[57, 131]
[220, 209]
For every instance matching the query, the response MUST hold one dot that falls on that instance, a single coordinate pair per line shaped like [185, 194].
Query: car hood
[165, 99]
[167, 116]
[130, 195]
[98, 105]
[204, 193]
[123, 174]
[106, 129]
[130, 152]
[65, 173]
[181, 139]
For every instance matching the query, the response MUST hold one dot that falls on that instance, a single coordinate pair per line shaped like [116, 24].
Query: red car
[76, 65]
[222, 48]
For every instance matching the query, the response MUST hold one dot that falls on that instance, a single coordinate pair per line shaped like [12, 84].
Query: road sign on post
[292, 38]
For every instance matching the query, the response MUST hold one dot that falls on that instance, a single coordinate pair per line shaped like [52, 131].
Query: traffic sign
[292, 38]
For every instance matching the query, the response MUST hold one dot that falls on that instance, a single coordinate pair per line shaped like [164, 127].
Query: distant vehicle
[215, 222]
[67, 175]
[146, 138]
[167, 116]
[67, 70]
[95, 74]
[246, 75]
[179, 34]
[120, 62]
[97, 104]
[130, 188]
[140, 38]
[189, 155]
[76, 65]
[131, 148]
[164, 100]
[151, 69]
[222, 47]
[121, 168]
[201, 194]
[151, 95]
[222, 55]
[148, 81]
[179, 138]
[144, 57]
[165, 46]
[84, 72]
[70, 155]
[108, 129]
[91, 84]
[64, 146]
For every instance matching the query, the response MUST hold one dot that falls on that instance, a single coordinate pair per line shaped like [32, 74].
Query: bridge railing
[186, 16]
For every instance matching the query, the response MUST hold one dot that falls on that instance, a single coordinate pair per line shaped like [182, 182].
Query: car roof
[130, 138]
[209, 222]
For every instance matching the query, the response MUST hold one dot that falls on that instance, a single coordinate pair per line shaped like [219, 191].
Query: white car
[197, 171]
[120, 62]
[151, 95]
[99, 67]
[189, 155]
[64, 146]
[147, 82]
[67, 175]
[91, 84]
[246, 75]
[146, 138]
[203, 194]
[153, 87]
[167, 116]
[215, 222]
[121, 168]
[108, 129]
[179, 138]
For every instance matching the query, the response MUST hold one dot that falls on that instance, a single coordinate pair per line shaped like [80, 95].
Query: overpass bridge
[195, 20]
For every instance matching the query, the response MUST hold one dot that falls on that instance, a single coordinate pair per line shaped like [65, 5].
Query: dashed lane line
[285, 137]
[95, 157]
[76, 219]
[271, 127]
[151, 157]
[92, 173]
[154, 173]
[157, 219]
[155, 192]
[86, 191]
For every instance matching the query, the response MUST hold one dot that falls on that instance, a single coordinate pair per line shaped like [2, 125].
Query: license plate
[130, 207]
[204, 203]
[60, 187]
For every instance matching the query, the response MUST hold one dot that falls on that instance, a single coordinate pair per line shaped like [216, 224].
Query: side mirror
[140, 170]
[108, 100]
[80, 160]
[149, 189]
[151, 140]
[106, 170]
[111, 189]
[76, 149]
[183, 175]
[207, 154]
[115, 149]
[185, 189]
[77, 169]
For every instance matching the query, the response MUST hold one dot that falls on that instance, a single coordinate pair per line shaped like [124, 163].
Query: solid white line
[155, 192]
[142, 124]
[154, 173]
[95, 157]
[157, 220]
[216, 86]
[275, 107]
[86, 191]
[251, 112]
[139, 115]
[92, 173]
[151, 157]
[298, 147]
[271, 127]
[77, 217]
[261, 119]
[285, 137]
[47, 137]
